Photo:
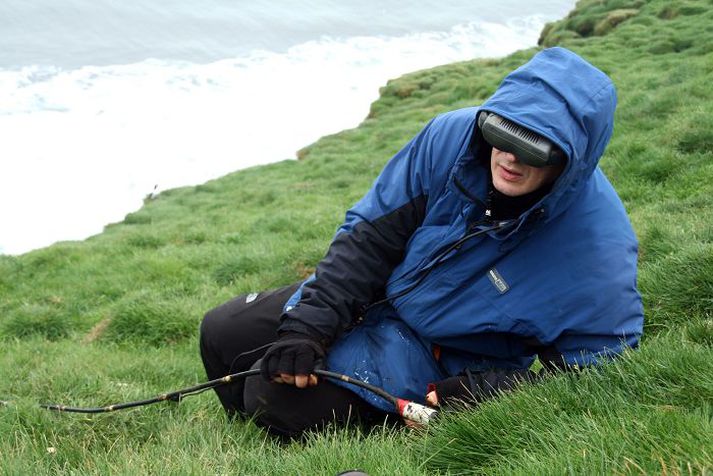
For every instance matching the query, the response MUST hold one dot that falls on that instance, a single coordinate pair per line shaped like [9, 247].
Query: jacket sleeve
[367, 246]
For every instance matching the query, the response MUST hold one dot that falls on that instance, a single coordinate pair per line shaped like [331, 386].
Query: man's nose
[510, 157]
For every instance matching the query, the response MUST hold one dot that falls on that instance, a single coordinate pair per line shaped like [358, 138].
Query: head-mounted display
[529, 148]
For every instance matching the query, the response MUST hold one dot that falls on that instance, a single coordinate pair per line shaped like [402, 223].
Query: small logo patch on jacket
[251, 297]
[498, 281]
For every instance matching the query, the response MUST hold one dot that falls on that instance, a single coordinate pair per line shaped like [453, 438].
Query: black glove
[474, 387]
[452, 388]
[292, 354]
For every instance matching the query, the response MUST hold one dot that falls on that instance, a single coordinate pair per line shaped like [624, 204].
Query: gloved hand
[474, 387]
[452, 388]
[292, 360]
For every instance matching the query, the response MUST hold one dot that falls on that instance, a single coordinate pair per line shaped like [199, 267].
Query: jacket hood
[559, 95]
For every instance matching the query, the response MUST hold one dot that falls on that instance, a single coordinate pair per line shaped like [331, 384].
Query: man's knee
[225, 323]
[209, 326]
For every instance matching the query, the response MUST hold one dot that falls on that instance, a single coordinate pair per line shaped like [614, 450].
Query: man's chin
[508, 188]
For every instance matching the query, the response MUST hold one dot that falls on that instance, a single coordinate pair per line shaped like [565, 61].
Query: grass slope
[115, 317]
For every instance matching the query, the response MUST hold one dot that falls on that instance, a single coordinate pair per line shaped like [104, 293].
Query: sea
[103, 102]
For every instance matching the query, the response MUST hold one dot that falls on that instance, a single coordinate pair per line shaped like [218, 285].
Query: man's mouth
[509, 174]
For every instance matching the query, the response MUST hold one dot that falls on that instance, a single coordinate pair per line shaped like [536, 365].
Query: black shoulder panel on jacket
[354, 272]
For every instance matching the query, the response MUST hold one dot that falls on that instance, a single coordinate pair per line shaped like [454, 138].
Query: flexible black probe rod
[406, 408]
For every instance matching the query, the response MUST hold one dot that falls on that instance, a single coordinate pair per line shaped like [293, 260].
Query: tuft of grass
[697, 134]
[234, 267]
[701, 332]
[679, 287]
[31, 320]
[151, 319]
[612, 20]
[590, 18]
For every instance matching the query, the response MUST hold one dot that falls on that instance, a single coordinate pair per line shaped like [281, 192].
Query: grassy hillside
[115, 317]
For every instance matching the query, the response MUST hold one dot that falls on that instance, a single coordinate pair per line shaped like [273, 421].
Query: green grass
[116, 317]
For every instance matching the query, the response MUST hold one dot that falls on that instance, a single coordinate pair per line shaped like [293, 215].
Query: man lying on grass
[490, 239]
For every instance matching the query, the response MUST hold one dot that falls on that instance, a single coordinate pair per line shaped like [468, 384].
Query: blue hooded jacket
[561, 276]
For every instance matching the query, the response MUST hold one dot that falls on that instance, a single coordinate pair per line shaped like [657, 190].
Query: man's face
[513, 178]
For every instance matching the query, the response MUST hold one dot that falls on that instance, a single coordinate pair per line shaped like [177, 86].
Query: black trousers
[228, 335]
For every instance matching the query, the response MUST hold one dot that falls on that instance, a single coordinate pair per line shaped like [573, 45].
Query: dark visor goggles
[529, 148]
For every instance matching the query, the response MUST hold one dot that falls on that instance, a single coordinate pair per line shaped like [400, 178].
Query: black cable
[179, 394]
